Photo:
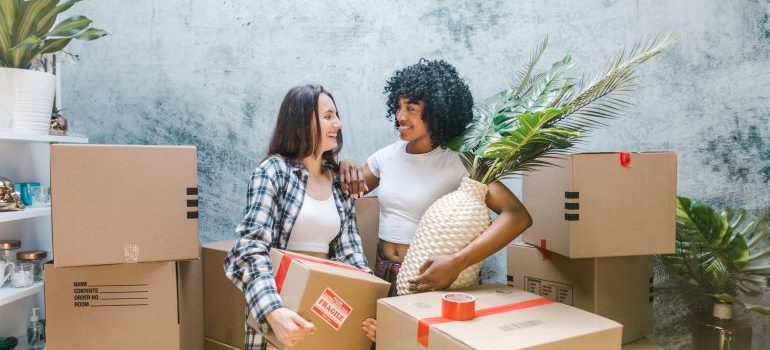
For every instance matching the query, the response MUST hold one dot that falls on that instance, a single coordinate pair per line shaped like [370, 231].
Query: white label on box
[331, 308]
[558, 292]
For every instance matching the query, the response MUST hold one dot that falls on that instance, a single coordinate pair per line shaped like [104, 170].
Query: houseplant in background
[28, 29]
[517, 130]
[719, 257]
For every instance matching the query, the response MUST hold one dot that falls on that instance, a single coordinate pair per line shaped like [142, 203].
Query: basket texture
[448, 226]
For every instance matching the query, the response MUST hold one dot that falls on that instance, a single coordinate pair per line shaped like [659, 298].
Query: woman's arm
[440, 271]
[247, 264]
[357, 180]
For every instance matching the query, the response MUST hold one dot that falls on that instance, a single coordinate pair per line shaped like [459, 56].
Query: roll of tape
[458, 306]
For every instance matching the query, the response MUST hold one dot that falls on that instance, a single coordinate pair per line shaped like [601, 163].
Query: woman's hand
[289, 327]
[436, 273]
[352, 178]
[369, 326]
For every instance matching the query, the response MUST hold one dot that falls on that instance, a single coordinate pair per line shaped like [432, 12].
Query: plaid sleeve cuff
[263, 298]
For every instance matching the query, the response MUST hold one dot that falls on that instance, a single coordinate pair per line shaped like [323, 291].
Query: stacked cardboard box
[597, 220]
[126, 273]
[505, 318]
[335, 297]
[224, 306]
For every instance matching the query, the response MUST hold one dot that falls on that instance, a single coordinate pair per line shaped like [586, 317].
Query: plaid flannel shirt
[274, 199]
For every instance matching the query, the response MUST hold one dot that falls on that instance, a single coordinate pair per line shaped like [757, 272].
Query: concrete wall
[212, 74]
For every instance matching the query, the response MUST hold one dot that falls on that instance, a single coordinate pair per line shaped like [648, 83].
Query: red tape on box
[544, 249]
[283, 267]
[423, 325]
[625, 159]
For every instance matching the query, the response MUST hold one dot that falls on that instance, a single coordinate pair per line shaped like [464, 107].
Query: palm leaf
[712, 252]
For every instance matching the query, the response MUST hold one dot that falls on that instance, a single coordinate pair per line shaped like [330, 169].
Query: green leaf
[31, 12]
[47, 21]
[55, 45]
[70, 26]
[29, 43]
[90, 34]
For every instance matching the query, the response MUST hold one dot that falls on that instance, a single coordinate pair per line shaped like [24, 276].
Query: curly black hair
[448, 100]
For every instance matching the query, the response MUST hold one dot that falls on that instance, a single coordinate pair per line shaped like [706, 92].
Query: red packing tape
[544, 249]
[283, 267]
[458, 306]
[423, 325]
[625, 159]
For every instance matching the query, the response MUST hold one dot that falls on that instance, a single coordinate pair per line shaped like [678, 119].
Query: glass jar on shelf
[35, 257]
[22, 275]
[8, 249]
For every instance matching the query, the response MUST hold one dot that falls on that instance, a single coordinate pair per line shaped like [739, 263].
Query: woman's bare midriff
[315, 254]
[394, 252]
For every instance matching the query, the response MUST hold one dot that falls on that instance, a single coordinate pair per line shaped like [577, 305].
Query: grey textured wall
[212, 74]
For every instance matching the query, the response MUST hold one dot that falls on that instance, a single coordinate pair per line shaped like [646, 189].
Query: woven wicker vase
[448, 226]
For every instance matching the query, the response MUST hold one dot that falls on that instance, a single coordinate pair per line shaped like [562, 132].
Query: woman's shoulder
[391, 150]
[274, 165]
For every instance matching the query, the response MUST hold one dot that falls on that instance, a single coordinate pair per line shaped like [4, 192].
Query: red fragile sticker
[331, 308]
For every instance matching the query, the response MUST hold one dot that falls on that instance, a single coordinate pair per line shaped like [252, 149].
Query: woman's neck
[313, 165]
[419, 146]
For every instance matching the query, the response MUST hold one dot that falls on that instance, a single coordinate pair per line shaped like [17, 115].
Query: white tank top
[317, 224]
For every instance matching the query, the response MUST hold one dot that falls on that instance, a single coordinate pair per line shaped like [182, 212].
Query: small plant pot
[722, 332]
[26, 100]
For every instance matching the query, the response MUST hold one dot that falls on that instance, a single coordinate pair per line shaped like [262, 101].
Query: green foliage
[720, 255]
[545, 114]
[28, 28]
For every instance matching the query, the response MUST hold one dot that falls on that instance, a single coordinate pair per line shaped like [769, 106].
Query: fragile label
[558, 292]
[331, 308]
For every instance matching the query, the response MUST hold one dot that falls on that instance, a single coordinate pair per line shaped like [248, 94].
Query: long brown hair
[293, 136]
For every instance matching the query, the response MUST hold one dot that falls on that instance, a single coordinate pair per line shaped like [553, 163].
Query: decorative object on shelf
[58, 124]
[23, 276]
[8, 343]
[36, 331]
[10, 200]
[40, 196]
[719, 257]
[35, 257]
[24, 189]
[6, 271]
[29, 29]
[543, 115]
[8, 249]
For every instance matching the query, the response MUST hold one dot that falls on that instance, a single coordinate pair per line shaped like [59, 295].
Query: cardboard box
[368, 221]
[539, 326]
[212, 344]
[224, 305]
[127, 306]
[642, 344]
[335, 297]
[591, 205]
[123, 204]
[618, 288]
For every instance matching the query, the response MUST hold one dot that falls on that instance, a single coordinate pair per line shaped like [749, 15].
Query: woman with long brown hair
[294, 202]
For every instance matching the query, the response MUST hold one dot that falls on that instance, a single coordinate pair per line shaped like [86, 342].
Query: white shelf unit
[26, 157]
[27, 213]
[10, 294]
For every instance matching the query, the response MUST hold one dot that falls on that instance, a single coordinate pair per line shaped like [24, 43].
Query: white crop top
[409, 184]
[317, 224]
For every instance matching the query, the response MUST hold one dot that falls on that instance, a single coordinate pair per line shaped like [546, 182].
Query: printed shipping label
[332, 309]
[558, 292]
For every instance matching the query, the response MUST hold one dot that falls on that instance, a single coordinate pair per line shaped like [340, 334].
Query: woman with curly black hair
[430, 105]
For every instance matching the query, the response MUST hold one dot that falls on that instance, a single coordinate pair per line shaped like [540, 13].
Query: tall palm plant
[545, 114]
[720, 255]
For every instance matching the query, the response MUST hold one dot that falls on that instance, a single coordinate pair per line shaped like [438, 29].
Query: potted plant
[719, 258]
[28, 29]
[543, 115]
